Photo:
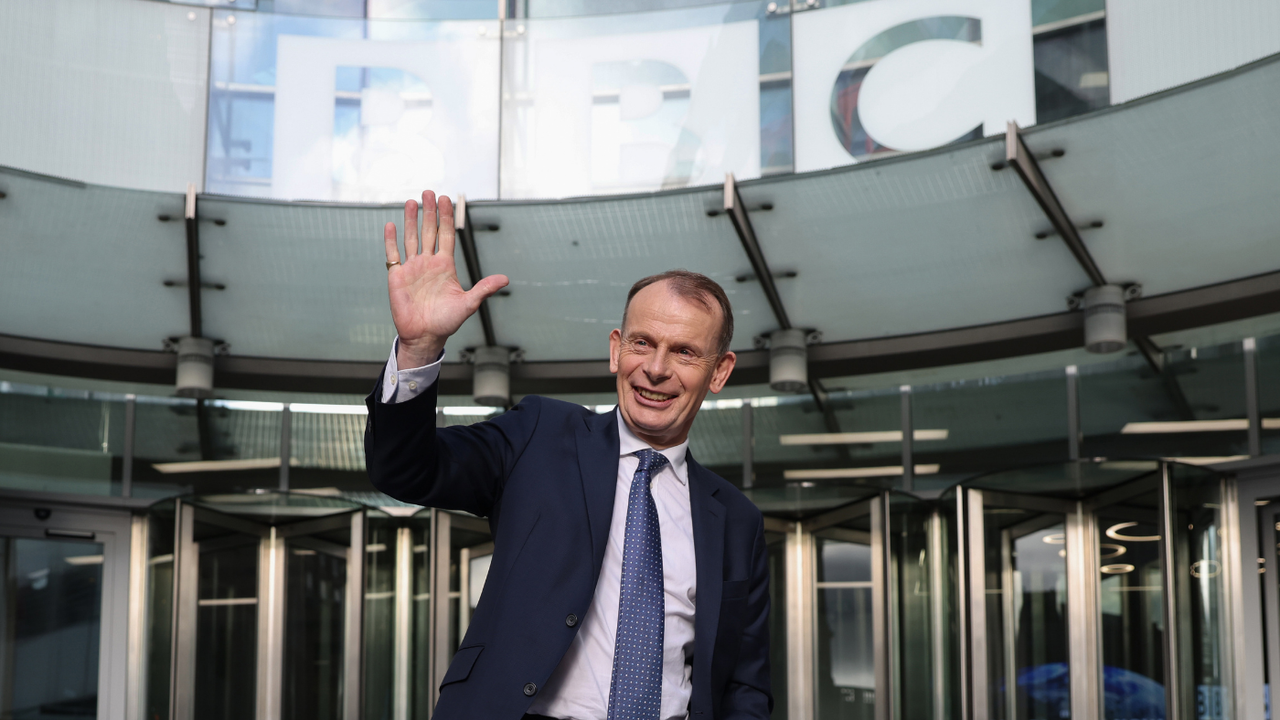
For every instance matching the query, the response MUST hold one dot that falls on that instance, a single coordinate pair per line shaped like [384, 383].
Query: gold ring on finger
[392, 263]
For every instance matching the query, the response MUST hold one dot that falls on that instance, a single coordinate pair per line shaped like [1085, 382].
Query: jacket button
[530, 689]
[571, 620]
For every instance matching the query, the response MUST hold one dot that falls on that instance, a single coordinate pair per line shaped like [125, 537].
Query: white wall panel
[105, 91]
[1158, 44]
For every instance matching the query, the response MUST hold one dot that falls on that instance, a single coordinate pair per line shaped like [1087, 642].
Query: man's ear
[724, 366]
[615, 347]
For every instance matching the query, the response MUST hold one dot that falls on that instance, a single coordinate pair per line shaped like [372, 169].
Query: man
[627, 581]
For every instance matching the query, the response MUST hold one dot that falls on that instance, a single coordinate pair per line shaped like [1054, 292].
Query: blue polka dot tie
[636, 690]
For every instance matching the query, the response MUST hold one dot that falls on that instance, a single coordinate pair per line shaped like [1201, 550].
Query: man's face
[666, 362]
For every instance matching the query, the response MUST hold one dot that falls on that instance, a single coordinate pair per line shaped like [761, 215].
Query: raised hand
[427, 302]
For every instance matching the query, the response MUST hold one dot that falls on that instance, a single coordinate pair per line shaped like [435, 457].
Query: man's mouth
[652, 395]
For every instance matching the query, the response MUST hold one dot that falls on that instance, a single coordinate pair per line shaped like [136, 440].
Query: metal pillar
[881, 607]
[126, 465]
[440, 555]
[186, 574]
[1084, 646]
[908, 437]
[353, 635]
[286, 445]
[976, 584]
[1168, 566]
[1073, 413]
[271, 580]
[748, 445]
[1251, 396]
[801, 605]
[401, 685]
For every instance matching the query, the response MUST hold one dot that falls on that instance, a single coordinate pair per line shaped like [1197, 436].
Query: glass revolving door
[1097, 590]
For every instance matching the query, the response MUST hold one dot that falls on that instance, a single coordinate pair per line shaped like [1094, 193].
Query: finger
[389, 239]
[485, 289]
[410, 229]
[448, 229]
[428, 222]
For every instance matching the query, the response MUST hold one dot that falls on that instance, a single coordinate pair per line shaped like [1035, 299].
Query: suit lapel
[598, 464]
[708, 549]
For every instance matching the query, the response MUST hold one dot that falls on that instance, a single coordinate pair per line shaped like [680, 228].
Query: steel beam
[193, 263]
[467, 239]
[1020, 158]
[737, 213]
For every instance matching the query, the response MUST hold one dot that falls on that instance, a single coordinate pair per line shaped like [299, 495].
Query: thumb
[485, 289]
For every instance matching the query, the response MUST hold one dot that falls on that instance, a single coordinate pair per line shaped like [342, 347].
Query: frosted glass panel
[303, 281]
[352, 110]
[1157, 44]
[105, 91]
[88, 264]
[629, 103]
[908, 75]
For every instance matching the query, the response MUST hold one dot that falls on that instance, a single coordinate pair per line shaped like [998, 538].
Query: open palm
[428, 303]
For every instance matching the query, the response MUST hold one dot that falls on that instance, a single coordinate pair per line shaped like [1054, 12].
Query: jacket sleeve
[456, 468]
[748, 693]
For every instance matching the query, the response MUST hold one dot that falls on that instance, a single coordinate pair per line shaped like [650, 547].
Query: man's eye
[641, 343]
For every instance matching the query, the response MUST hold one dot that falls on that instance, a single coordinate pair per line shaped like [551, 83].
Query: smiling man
[627, 580]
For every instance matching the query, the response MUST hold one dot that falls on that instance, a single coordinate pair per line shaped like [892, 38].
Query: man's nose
[656, 367]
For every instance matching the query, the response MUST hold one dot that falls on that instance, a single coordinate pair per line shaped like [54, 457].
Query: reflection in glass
[50, 624]
[380, 618]
[1133, 627]
[315, 602]
[1203, 634]
[53, 442]
[420, 687]
[159, 628]
[226, 625]
[846, 668]
[1026, 604]
[776, 546]
[913, 598]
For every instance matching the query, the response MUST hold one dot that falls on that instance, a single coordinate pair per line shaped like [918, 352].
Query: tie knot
[651, 462]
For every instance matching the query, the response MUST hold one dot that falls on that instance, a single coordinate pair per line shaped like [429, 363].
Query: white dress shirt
[579, 687]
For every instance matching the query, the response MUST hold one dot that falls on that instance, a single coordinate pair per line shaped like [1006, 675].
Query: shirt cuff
[403, 385]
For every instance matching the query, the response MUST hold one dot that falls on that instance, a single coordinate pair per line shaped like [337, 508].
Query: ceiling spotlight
[1116, 551]
[195, 367]
[1055, 538]
[491, 384]
[1104, 319]
[788, 360]
[1117, 569]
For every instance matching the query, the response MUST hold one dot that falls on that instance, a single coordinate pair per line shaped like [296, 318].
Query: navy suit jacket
[545, 474]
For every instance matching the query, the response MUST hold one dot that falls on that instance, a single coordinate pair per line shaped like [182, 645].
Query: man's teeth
[650, 395]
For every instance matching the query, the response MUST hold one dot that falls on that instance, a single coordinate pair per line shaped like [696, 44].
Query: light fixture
[216, 465]
[1113, 532]
[1055, 538]
[1206, 569]
[859, 438]
[862, 472]
[84, 560]
[1104, 319]
[1117, 569]
[195, 367]
[788, 360]
[1189, 426]
[491, 383]
[1116, 551]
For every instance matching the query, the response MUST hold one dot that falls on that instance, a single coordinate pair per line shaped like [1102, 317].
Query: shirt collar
[629, 443]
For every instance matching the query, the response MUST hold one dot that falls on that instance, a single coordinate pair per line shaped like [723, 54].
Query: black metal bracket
[467, 239]
[193, 263]
[737, 213]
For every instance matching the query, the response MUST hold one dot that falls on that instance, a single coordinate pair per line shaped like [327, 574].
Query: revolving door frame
[1084, 600]
[270, 603]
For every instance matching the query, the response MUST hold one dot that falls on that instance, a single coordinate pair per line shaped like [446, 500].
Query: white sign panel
[921, 95]
[431, 124]
[631, 112]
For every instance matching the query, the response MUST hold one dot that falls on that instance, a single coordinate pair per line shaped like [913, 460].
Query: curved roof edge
[1184, 310]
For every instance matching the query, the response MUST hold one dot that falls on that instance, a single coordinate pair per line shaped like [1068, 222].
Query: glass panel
[226, 624]
[1119, 400]
[1071, 69]
[460, 538]
[159, 627]
[1132, 597]
[328, 451]
[380, 617]
[971, 426]
[315, 602]
[166, 430]
[846, 678]
[374, 110]
[77, 106]
[1203, 633]
[50, 625]
[1268, 359]
[630, 103]
[55, 440]
[1026, 606]
[916, 607]
[776, 546]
